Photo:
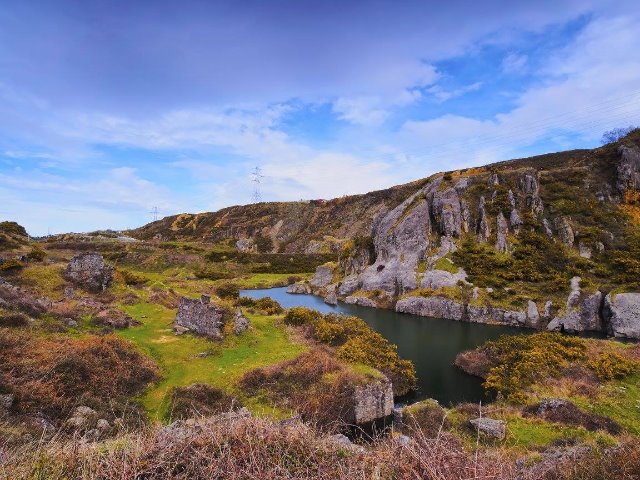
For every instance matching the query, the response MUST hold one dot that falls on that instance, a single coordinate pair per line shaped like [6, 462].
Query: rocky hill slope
[551, 241]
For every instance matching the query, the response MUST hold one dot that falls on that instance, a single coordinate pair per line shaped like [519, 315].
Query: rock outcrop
[436, 279]
[582, 312]
[437, 307]
[564, 230]
[14, 297]
[502, 230]
[628, 171]
[622, 314]
[331, 298]
[323, 276]
[89, 271]
[362, 301]
[373, 401]
[200, 316]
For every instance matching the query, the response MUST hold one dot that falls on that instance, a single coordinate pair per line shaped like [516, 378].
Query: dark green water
[431, 344]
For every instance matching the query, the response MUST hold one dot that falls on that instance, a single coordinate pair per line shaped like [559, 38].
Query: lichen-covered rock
[546, 226]
[622, 313]
[482, 229]
[565, 232]
[436, 279]
[201, 316]
[515, 221]
[82, 418]
[584, 250]
[323, 276]
[533, 316]
[531, 189]
[89, 271]
[246, 245]
[362, 301]
[447, 212]
[331, 298]
[490, 427]
[582, 312]
[488, 314]
[628, 170]
[373, 400]
[299, 288]
[240, 323]
[349, 285]
[436, 306]
[502, 230]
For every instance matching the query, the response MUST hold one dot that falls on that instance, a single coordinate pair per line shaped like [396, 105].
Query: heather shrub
[610, 366]
[36, 254]
[131, 278]
[200, 400]
[13, 320]
[54, 375]
[11, 265]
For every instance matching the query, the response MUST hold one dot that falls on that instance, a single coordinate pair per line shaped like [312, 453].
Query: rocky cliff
[537, 242]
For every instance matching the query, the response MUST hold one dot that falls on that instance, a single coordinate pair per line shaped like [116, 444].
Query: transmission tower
[256, 178]
[154, 212]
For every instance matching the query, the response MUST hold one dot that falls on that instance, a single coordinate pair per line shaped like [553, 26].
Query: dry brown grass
[248, 448]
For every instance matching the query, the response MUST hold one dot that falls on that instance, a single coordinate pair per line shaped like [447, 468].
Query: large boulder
[373, 400]
[436, 306]
[582, 312]
[89, 271]
[622, 313]
[200, 316]
[298, 288]
[490, 427]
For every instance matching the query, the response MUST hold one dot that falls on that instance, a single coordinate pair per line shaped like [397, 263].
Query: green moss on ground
[222, 365]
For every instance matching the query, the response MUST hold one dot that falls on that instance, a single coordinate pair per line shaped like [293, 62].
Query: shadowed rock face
[628, 170]
[89, 271]
[201, 317]
[373, 401]
[622, 312]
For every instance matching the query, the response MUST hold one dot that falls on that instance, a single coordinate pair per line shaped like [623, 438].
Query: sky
[111, 108]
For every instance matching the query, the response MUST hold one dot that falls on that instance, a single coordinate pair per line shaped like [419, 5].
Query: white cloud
[442, 95]
[515, 63]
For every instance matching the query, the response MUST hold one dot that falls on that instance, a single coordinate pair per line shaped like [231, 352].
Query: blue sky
[109, 108]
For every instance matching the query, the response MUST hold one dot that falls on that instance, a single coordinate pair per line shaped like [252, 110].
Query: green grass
[620, 401]
[530, 433]
[445, 264]
[264, 344]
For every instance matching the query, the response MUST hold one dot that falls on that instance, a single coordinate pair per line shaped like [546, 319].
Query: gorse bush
[610, 366]
[298, 316]
[520, 360]
[228, 290]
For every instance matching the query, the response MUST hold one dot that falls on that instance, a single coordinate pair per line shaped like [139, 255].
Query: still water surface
[432, 344]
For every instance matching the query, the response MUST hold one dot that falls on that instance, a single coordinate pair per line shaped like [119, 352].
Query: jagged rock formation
[200, 316]
[362, 301]
[628, 170]
[298, 288]
[622, 312]
[240, 323]
[89, 271]
[582, 313]
[437, 307]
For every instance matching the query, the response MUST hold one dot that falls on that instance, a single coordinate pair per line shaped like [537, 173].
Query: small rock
[7, 400]
[331, 299]
[103, 425]
[490, 427]
[180, 330]
[402, 440]
[241, 323]
[71, 323]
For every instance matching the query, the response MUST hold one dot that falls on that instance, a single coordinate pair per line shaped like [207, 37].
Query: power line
[256, 178]
[154, 212]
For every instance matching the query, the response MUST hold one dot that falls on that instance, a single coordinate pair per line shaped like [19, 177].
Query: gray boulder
[622, 313]
[89, 271]
[298, 288]
[241, 323]
[490, 427]
[565, 232]
[373, 400]
[436, 306]
[246, 245]
[200, 316]
[331, 298]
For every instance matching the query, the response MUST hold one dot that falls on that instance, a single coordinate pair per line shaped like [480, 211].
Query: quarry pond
[432, 344]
